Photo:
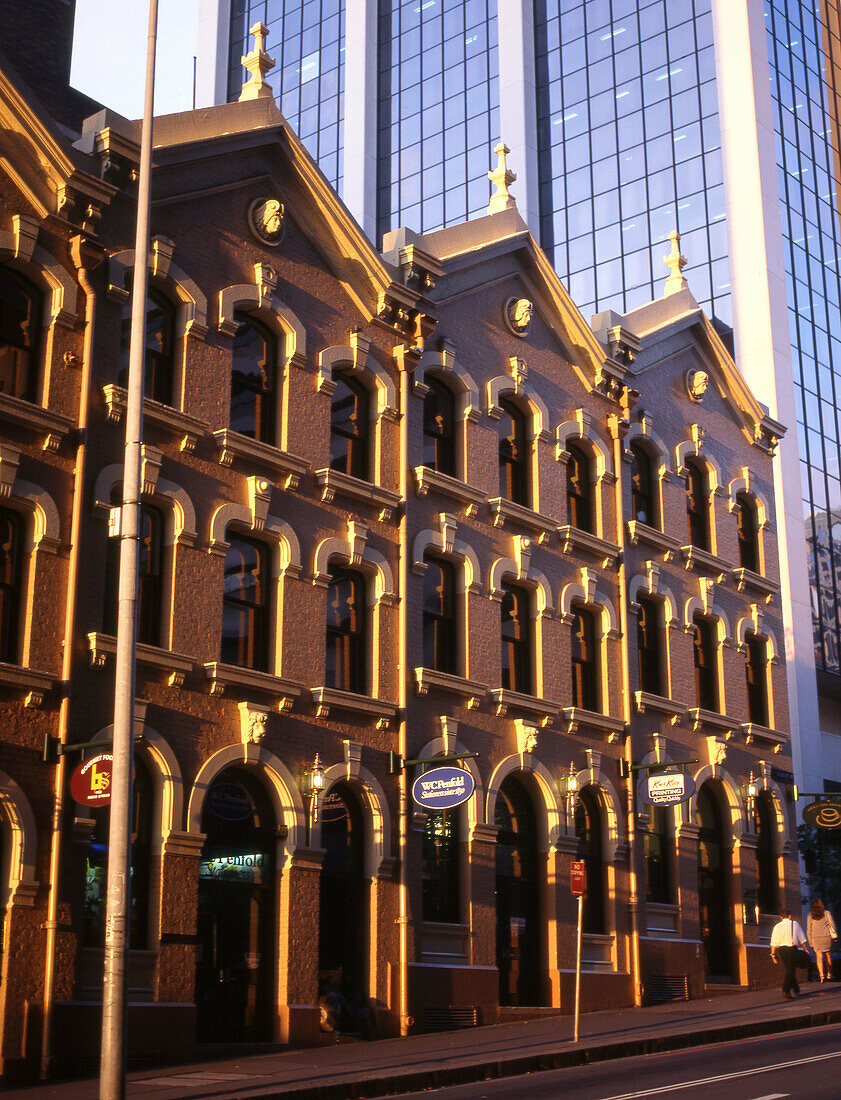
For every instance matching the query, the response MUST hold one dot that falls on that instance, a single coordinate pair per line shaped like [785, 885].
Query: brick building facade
[396, 506]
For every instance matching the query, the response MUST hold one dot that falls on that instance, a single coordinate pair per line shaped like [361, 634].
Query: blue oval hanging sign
[666, 788]
[442, 788]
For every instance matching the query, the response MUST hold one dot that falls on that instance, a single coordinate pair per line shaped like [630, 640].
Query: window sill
[645, 700]
[574, 539]
[31, 681]
[332, 482]
[503, 511]
[252, 452]
[662, 917]
[541, 709]
[468, 495]
[327, 699]
[705, 562]
[752, 732]
[641, 532]
[222, 677]
[44, 422]
[173, 421]
[176, 664]
[747, 580]
[469, 690]
[579, 718]
[713, 720]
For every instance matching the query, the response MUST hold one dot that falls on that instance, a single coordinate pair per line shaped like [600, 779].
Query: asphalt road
[802, 1064]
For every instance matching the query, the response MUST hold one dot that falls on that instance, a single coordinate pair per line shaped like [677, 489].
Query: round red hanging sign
[90, 783]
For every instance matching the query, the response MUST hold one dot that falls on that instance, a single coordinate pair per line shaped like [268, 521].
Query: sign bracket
[625, 768]
[397, 763]
[53, 748]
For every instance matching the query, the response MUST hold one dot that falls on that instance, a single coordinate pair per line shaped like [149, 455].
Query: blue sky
[109, 54]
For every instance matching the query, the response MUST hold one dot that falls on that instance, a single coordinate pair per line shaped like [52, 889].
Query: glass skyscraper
[626, 119]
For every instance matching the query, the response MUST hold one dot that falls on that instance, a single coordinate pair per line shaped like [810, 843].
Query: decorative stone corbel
[9, 461]
[707, 591]
[698, 436]
[588, 583]
[449, 733]
[594, 763]
[716, 750]
[519, 371]
[25, 230]
[252, 721]
[265, 277]
[449, 525]
[162, 252]
[259, 498]
[756, 615]
[652, 572]
[526, 741]
[658, 745]
[353, 758]
[150, 461]
[357, 535]
[522, 555]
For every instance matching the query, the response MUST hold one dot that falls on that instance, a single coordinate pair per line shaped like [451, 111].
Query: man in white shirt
[786, 938]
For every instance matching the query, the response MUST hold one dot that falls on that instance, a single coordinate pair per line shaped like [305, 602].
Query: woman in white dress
[821, 932]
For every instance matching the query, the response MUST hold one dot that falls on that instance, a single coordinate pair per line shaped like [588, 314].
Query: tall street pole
[118, 898]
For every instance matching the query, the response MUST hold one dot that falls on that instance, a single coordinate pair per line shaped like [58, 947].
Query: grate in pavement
[197, 1079]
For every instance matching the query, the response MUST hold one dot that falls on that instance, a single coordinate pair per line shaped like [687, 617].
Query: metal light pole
[118, 898]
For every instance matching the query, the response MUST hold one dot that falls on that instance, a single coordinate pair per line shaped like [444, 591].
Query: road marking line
[773, 1096]
[724, 1077]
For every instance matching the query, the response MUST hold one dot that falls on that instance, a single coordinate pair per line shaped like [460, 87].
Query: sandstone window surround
[518, 571]
[258, 301]
[752, 512]
[513, 391]
[178, 513]
[582, 595]
[354, 552]
[359, 364]
[440, 365]
[284, 565]
[759, 646]
[38, 534]
[443, 543]
[647, 592]
[580, 433]
[190, 313]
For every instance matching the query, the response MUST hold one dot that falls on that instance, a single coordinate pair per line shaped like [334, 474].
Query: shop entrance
[343, 911]
[517, 914]
[236, 959]
[713, 886]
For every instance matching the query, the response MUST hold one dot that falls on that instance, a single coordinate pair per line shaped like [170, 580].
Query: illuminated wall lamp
[749, 792]
[568, 786]
[312, 784]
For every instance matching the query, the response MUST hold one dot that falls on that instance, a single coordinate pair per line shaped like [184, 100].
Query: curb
[419, 1080]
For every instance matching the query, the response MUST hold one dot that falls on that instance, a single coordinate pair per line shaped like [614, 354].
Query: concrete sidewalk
[355, 1070]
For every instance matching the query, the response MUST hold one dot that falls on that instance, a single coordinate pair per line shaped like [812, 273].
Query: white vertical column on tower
[359, 189]
[760, 320]
[214, 27]
[518, 102]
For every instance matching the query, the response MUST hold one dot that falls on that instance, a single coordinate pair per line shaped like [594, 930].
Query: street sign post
[577, 879]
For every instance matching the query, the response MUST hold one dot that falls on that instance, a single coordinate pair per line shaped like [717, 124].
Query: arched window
[346, 666]
[20, 330]
[516, 640]
[643, 492]
[141, 859]
[150, 576]
[349, 427]
[706, 670]
[588, 829]
[649, 657]
[697, 506]
[585, 662]
[579, 489]
[756, 675]
[342, 932]
[158, 373]
[747, 529]
[441, 873]
[11, 588]
[518, 923]
[513, 455]
[767, 874]
[439, 428]
[658, 847]
[245, 605]
[253, 380]
[440, 634]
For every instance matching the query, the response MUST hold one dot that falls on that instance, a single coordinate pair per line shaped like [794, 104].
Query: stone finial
[258, 64]
[675, 263]
[501, 177]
